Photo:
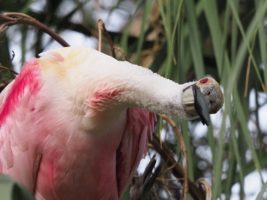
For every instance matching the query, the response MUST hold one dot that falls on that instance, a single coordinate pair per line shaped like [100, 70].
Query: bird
[75, 122]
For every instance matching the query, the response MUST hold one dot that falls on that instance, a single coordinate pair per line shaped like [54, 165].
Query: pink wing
[3, 145]
[138, 130]
[16, 155]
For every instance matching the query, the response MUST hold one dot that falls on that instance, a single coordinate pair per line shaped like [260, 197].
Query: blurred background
[182, 40]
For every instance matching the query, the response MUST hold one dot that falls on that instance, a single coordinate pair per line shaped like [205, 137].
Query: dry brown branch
[247, 77]
[100, 28]
[8, 19]
[103, 31]
[8, 69]
[196, 192]
[143, 183]
[202, 183]
[184, 153]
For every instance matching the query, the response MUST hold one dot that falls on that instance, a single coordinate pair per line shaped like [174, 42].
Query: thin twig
[102, 30]
[8, 69]
[206, 187]
[145, 182]
[11, 18]
[247, 77]
[184, 153]
[177, 170]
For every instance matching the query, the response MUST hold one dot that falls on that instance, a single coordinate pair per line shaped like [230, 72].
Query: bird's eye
[204, 80]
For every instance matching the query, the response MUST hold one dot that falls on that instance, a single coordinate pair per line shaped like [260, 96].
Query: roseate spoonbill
[75, 122]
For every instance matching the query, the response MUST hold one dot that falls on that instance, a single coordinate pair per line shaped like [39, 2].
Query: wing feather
[17, 154]
[138, 130]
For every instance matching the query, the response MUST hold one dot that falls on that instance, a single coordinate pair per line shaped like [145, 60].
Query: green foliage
[10, 190]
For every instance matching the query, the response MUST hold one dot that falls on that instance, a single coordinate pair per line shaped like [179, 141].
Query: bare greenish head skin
[208, 101]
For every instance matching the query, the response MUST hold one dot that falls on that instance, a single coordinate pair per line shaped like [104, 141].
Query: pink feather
[56, 159]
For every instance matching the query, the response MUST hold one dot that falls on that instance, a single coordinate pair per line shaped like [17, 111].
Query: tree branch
[177, 170]
[12, 18]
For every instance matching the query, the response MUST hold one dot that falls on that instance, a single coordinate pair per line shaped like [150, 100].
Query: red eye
[204, 80]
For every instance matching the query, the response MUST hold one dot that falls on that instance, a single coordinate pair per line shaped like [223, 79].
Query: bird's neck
[150, 91]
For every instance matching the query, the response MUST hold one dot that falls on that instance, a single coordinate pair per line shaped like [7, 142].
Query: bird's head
[202, 98]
